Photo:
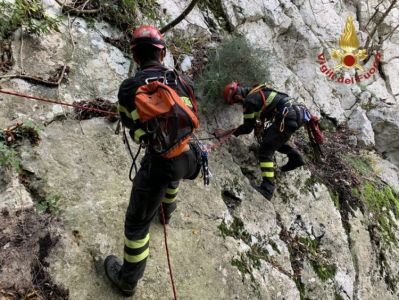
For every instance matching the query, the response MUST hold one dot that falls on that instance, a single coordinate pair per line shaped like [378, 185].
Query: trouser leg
[273, 140]
[144, 202]
[169, 201]
[286, 149]
[295, 159]
[156, 179]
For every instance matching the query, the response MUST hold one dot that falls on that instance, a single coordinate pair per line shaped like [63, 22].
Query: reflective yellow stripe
[138, 243]
[124, 110]
[166, 200]
[135, 115]
[187, 101]
[137, 258]
[249, 116]
[270, 98]
[138, 134]
[257, 114]
[267, 164]
[267, 174]
[172, 191]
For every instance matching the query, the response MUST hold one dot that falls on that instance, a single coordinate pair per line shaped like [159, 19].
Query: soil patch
[26, 240]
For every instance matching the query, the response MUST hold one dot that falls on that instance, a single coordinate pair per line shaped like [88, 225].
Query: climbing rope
[133, 157]
[167, 253]
[221, 141]
[13, 93]
[209, 148]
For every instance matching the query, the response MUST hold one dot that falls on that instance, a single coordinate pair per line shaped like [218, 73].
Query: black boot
[266, 189]
[295, 160]
[113, 265]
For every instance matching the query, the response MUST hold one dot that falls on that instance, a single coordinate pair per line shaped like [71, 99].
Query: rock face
[226, 241]
[359, 122]
[385, 122]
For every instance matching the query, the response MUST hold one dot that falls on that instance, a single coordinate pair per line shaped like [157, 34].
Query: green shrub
[9, 158]
[234, 59]
[28, 14]
[123, 13]
[49, 204]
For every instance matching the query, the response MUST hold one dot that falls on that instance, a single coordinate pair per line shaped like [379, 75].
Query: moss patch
[303, 248]
[310, 244]
[383, 205]
[241, 266]
[251, 259]
[309, 184]
[362, 164]
[236, 230]
[324, 272]
[335, 198]
[327, 125]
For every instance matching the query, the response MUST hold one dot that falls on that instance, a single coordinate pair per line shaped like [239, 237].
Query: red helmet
[148, 34]
[230, 91]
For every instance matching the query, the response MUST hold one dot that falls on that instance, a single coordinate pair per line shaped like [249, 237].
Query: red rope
[210, 148]
[213, 146]
[167, 253]
[57, 102]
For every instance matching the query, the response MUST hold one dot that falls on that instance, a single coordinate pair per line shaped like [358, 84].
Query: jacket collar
[152, 64]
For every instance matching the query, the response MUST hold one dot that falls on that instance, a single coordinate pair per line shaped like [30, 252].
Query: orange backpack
[167, 119]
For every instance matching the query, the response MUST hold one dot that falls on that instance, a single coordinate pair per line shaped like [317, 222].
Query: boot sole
[114, 285]
[268, 197]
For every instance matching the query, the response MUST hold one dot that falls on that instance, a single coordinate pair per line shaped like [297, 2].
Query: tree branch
[78, 11]
[379, 23]
[39, 80]
[179, 18]
[376, 11]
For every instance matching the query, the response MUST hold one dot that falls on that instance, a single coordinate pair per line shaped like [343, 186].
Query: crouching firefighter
[261, 105]
[159, 108]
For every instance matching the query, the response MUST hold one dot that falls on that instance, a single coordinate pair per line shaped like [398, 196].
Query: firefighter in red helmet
[264, 104]
[157, 180]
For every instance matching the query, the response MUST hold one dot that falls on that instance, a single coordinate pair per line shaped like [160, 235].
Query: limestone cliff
[331, 230]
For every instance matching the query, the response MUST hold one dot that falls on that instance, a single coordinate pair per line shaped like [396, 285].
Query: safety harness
[303, 115]
[261, 123]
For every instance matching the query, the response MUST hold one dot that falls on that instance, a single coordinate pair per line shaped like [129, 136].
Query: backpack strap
[190, 93]
[171, 80]
[259, 88]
